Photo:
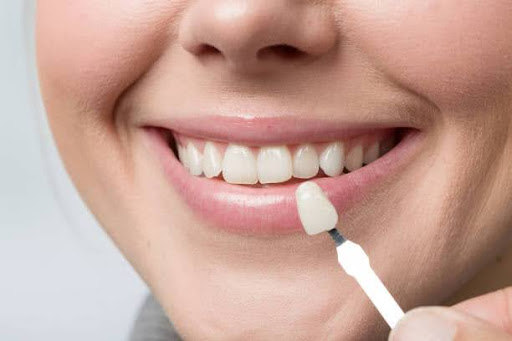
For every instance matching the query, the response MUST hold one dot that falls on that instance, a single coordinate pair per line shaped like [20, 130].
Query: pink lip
[266, 130]
[269, 210]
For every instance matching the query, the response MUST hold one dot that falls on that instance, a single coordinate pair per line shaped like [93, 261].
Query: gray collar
[152, 324]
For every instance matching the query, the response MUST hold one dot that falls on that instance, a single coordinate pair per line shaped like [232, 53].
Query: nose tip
[249, 35]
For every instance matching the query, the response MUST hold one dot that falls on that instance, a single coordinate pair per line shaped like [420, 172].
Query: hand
[487, 317]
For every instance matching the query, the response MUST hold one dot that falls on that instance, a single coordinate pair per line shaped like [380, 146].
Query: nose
[254, 35]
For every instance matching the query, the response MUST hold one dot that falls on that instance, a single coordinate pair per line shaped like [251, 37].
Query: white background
[60, 276]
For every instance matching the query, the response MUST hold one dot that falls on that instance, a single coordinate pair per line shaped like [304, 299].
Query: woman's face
[255, 92]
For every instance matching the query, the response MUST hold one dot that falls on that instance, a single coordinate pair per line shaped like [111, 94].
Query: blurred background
[61, 278]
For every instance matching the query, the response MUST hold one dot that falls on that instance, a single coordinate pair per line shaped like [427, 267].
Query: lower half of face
[187, 126]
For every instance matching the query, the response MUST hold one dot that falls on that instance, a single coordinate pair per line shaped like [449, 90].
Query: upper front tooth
[212, 160]
[332, 159]
[194, 158]
[305, 162]
[354, 158]
[372, 153]
[239, 165]
[274, 164]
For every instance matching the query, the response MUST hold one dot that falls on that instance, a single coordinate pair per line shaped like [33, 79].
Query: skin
[487, 317]
[441, 221]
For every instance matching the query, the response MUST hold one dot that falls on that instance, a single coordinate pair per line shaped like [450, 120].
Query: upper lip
[269, 130]
[259, 123]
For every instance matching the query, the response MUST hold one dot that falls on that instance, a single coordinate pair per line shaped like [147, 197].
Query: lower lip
[271, 210]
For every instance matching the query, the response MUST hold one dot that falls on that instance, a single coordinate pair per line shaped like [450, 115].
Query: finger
[440, 324]
[496, 308]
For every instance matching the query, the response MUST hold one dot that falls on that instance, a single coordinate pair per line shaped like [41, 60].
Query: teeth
[182, 154]
[305, 162]
[194, 158]
[386, 146]
[316, 212]
[372, 153]
[212, 160]
[267, 165]
[332, 159]
[239, 165]
[354, 158]
[274, 164]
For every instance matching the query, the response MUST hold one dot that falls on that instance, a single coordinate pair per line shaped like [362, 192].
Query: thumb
[488, 317]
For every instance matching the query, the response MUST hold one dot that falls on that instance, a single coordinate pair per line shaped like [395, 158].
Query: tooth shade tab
[317, 214]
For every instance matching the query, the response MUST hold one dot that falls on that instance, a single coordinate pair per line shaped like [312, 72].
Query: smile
[250, 165]
[240, 175]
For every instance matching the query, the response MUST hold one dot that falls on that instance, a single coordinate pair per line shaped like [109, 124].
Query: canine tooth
[354, 158]
[239, 165]
[316, 212]
[332, 159]
[274, 164]
[194, 158]
[305, 162]
[372, 153]
[212, 160]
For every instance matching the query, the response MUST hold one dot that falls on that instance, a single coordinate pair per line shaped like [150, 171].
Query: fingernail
[423, 325]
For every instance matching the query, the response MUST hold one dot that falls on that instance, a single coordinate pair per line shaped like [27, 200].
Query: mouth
[240, 175]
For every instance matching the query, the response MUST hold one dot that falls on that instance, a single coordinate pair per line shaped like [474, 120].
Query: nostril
[207, 50]
[281, 51]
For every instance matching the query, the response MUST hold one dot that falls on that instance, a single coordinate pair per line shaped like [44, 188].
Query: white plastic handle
[356, 263]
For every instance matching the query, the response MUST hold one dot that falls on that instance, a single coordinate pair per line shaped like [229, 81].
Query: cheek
[456, 53]
[90, 51]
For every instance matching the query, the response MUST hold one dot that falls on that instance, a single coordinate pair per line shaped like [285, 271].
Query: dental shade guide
[317, 215]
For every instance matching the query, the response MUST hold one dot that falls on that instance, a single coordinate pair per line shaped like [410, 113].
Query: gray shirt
[152, 324]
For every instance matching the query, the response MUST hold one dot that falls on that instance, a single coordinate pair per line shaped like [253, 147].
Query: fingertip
[424, 324]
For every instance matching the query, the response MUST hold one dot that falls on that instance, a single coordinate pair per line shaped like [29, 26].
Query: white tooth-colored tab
[239, 165]
[274, 164]
[354, 158]
[194, 159]
[305, 162]
[316, 212]
[372, 153]
[332, 159]
[212, 160]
